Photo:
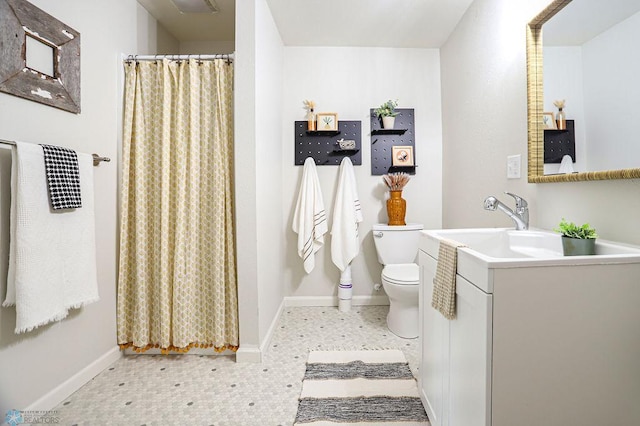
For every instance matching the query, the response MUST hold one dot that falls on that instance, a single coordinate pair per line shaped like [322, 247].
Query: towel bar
[96, 158]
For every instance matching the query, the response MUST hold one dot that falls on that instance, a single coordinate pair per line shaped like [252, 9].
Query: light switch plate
[513, 166]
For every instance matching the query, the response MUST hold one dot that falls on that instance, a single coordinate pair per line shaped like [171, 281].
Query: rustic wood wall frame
[20, 19]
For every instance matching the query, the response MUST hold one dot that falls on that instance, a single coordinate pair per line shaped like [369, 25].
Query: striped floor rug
[359, 387]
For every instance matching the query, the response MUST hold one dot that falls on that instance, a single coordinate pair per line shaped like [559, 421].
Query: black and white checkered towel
[63, 177]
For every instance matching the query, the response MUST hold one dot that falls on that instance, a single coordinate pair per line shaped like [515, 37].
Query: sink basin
[502, 243]
[508, 247]
[506, 244]
[490, 249]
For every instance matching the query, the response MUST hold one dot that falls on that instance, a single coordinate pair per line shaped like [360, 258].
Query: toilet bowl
[400, 282]
[397, 248]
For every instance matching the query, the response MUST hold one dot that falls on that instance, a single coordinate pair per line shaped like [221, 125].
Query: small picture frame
[548, 121]
[327, 121]
[402, 155]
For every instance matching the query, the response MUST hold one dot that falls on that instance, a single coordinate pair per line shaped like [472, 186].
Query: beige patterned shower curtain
[177, 278]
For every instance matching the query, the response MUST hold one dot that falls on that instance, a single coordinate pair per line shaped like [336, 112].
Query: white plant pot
[388, 122]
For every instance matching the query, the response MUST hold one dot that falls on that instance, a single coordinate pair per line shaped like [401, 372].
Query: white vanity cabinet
[455, 372]
[554, 342]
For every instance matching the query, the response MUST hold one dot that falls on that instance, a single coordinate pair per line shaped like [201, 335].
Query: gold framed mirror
[535, 110]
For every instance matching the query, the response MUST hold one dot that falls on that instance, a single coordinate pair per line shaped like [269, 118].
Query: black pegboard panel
[323, 147]
[558, 143]
[382, 140]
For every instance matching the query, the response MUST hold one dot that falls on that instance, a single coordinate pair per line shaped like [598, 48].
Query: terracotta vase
[396, 208]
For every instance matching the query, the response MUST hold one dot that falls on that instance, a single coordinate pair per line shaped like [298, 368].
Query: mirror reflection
[592, 63]
[39, 56]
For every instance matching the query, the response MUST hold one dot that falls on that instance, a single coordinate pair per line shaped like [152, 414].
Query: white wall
[40, 368]
[207, 47]
[350, 81]
[485, 110]
[258, 93]
[269, 165]
[484, 120]
[611, 92]
[153, 37]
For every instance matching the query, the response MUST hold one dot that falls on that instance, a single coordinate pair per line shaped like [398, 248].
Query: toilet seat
[401, 274]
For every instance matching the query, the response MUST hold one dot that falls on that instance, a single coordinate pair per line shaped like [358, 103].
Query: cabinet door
[470, 357]
[434, 334]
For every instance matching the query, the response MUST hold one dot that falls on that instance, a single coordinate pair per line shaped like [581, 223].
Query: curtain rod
[227, 56]
[96, 158]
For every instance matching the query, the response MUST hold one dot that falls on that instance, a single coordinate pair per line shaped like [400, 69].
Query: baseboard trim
[249, 354]
[272, 328]
[252, 353]
[333, 300]
[75, 382]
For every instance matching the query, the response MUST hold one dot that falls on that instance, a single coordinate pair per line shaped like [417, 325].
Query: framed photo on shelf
[327, 121]
[402, 155]
[548, 121]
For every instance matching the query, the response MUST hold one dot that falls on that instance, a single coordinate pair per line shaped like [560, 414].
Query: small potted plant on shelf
[577, 240]
[388, 113]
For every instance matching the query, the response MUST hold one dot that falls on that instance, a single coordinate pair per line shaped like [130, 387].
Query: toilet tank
[396, 244]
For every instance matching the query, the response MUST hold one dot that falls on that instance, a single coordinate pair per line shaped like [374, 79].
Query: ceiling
[374, 23]
[195, 27]
[366, 23]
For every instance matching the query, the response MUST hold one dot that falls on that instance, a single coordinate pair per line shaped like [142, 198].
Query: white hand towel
[346, 216]
[52, 257]
[566, 166]
[310, 218]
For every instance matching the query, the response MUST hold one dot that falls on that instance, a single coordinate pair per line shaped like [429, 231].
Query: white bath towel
[52, 257]
[346, 216]
[310, 218]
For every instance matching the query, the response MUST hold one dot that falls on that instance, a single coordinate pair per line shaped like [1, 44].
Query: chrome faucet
[520, 216]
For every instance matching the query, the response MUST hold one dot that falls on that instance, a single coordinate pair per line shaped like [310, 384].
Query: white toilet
[397, 248]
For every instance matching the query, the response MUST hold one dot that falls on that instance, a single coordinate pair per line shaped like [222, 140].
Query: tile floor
[214, 390]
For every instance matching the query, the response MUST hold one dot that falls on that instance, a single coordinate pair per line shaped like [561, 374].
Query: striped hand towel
[310, 218]
[347, 213]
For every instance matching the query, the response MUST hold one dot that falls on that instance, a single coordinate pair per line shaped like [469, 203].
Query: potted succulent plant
[388, 113]
[577, 240]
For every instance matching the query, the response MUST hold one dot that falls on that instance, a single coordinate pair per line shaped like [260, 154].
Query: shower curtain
[177, 277]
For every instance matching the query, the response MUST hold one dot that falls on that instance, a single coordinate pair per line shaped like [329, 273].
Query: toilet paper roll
[344, 291]
[344, 305]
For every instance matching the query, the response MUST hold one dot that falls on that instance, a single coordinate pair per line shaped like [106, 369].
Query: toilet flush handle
[378, 234]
